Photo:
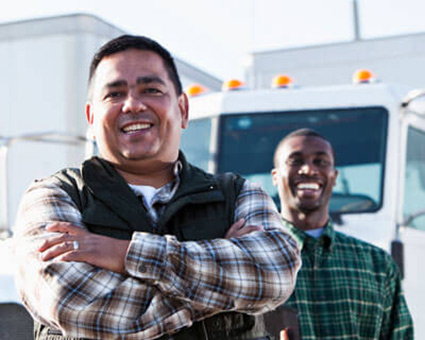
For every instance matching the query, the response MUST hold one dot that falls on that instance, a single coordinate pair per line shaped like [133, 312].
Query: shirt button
[142, 268]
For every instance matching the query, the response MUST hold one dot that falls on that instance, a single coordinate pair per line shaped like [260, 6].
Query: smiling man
[346, 288]
[138, 243]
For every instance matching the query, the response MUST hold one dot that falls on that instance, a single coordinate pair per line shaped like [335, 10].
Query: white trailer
[44, 67]
[397, 59]
[380, 152]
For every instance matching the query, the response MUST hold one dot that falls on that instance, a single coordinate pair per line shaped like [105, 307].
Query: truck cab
[379, 142]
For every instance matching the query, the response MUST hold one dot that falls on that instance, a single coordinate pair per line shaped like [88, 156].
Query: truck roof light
[233, 84]
[282, 81]
[195, 90]
[363, 76]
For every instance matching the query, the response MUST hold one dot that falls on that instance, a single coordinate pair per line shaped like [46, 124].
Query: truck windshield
[247, 143]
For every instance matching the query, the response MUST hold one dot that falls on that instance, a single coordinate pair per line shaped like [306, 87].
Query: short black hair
[126, 42]
[299, 133]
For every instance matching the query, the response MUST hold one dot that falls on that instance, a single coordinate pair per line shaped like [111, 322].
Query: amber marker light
[232, 85]
[195, 90]
[363, 76]
[282, 81]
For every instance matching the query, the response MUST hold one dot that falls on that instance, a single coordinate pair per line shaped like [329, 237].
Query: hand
[101, 251]
[238, 229]
[284, 334]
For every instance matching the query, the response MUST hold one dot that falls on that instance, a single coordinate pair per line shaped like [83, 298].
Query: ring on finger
[75, 245]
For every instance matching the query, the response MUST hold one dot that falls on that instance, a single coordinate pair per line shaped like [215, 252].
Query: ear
[183, 102]
[275, 176]
[336, 176]
[89, 113]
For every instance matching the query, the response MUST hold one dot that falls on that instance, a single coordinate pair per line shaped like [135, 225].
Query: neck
[155, 175]
[306, 220]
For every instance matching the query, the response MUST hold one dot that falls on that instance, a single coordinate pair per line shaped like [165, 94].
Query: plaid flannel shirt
[348, 289]
[169, 285]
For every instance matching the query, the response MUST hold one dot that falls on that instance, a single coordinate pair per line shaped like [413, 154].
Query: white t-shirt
[146, 191]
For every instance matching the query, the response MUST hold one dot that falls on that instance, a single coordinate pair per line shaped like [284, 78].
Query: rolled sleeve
[146, 257]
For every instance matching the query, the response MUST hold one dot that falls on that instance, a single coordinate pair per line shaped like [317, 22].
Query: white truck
[379, 140]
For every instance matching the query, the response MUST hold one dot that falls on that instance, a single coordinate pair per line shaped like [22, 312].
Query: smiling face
[135, 113]
[305, 175]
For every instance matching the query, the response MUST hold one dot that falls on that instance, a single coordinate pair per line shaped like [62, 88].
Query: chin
[308, 208]
[135, 158]
[137, 155]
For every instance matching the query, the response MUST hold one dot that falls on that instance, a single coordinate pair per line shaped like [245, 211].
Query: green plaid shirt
[348, 289]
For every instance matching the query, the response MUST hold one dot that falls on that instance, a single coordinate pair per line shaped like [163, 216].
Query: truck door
[413, 214]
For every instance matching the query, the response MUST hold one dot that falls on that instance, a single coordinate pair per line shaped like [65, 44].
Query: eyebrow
[139, 81]
[117, 83]
[149, 79]
[299, 153]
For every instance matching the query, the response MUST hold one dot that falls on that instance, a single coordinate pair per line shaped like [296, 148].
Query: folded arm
[170, 284]
[253, 273]
[78, 298]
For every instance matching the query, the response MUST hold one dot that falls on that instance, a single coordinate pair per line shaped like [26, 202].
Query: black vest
[202, 208]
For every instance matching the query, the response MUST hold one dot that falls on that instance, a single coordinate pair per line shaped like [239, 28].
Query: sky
[218, 35]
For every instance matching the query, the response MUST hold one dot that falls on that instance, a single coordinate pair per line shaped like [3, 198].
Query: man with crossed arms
[196, 256]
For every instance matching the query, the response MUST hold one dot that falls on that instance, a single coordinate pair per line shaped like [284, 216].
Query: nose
[133, 104]
[307, 169]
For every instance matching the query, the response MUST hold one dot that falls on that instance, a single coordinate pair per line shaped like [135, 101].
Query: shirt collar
[177, 168]
[166, 192]
[327, 238]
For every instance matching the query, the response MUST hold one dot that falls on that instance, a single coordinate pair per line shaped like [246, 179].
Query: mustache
[137, 117]
[310, 177]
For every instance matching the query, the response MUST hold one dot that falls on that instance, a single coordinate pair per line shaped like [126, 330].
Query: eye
[294, 162]
[152, 90]
[114, 95]
[323, 162]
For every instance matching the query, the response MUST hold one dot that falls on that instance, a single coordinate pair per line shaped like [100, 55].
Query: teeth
[136, 127]
[312, 186]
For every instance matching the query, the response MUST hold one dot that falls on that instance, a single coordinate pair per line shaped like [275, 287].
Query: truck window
[414, 192]
[195, 142]
[247, 142]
